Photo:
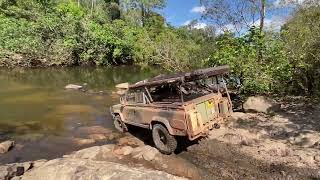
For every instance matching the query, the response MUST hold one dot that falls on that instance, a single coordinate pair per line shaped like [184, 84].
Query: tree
[237, 15]
[145, 7]
[302, 37]
[114, 9]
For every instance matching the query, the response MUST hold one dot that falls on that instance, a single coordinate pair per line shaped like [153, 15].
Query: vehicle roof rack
[182, 77]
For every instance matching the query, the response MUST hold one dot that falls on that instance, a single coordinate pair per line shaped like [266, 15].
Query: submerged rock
[73, 86]
[6, 146]
[260, 104]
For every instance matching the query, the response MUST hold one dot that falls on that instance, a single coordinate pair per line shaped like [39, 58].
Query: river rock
[94, 152]
[149, 153]
[146, 152]
[38, 163]
[260, 104]
[130, 140]
[73, 86]
[97, 137]
[66, 169]
[126, 150]
[6, 146]
[3, 172]
[82, 141]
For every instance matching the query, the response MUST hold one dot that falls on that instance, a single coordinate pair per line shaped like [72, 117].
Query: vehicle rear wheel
[163, 141]
[118, 124]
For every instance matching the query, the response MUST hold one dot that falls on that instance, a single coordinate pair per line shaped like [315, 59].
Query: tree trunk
[91, 7]
[143, 14]
[262, 14]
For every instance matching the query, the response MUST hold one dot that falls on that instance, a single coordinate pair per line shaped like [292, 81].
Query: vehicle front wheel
[163, 141]
[118, 124]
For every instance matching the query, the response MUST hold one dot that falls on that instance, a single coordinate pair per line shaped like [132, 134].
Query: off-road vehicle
[184, 104]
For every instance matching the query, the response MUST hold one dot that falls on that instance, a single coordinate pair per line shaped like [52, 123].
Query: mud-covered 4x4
[185, 104]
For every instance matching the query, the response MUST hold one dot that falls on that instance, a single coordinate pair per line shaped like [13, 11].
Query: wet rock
[148, 153]
[260, 104]
[3, 172]
[38, 163]
[137, 152]
[16, 178]
[95, 152]
[81, 141]
[126, 150]
[131, 141]
[97, 137]
[73, 86]
[88, 153]
[66, 168]
[6, 146]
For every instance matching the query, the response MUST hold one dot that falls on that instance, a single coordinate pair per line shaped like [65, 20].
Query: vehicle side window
[137, 97]
[131, 98]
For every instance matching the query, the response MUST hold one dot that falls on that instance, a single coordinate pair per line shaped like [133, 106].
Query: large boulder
[86, 169]
[6, 146]
[260, 104]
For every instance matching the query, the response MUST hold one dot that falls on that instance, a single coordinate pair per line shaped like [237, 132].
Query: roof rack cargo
[182, 77]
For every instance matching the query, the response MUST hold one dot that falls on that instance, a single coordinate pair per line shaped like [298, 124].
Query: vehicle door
[136, 102]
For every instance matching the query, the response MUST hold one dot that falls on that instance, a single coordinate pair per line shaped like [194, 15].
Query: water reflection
[34, 101]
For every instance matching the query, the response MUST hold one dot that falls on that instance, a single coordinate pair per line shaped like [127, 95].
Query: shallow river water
[39, 114]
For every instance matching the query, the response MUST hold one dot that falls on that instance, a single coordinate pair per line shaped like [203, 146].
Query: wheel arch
[162, 121]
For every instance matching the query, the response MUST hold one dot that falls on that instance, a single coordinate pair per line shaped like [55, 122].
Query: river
[40, 115]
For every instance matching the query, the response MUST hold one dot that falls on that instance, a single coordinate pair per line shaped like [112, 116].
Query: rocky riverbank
[129, 158]
[260, 144]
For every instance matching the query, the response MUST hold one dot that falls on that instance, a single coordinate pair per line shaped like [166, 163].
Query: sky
[182, 12]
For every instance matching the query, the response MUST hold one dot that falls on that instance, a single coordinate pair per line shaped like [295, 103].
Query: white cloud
[226, 28]
[198, 9]
[200, 25]
[286, 3]
[186, 23]
[273, 23]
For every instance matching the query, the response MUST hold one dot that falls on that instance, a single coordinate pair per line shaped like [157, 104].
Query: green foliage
[113, 32]
[302, 38]
[167, 50]
[257, 61]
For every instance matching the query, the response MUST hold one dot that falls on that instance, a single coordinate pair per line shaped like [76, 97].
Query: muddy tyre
[119, 125]
[163, 141]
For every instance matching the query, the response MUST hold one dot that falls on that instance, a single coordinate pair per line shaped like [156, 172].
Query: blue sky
[180, 12]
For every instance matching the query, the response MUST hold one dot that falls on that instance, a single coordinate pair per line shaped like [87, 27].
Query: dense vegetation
[112, 32]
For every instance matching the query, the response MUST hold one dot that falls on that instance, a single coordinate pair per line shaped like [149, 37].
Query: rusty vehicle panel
[185, 104]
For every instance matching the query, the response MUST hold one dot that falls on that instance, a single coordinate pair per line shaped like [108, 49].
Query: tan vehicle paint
[194, 118]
